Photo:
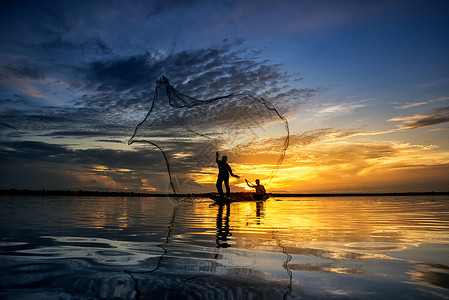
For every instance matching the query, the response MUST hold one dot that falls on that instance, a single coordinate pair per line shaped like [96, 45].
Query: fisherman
[260, 190]
[223, 175]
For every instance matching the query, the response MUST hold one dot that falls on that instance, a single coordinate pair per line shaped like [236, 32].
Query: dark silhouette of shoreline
[25, 192]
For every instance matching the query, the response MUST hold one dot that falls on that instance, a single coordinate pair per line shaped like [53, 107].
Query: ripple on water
[347, 248]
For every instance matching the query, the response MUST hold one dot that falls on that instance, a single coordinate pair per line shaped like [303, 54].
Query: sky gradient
[364, 86]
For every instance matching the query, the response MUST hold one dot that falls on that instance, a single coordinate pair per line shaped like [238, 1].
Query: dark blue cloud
[122, 73]
[31, 149]
[107, 78]
[164, 6]
[37, 165]
[117, 92]
[22, 69]
[203, 73]
[23, 153]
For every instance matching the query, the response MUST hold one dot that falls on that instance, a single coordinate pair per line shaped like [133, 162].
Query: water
[293, 248]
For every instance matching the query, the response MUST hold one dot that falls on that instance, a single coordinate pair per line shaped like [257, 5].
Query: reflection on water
[295, 248]
[223, 230]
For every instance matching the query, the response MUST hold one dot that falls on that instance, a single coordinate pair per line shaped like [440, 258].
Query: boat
[236, 197]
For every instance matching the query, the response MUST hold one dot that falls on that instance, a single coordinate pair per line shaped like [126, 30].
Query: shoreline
[25, 192]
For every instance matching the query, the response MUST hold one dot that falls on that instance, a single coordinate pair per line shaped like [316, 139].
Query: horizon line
[48, 192]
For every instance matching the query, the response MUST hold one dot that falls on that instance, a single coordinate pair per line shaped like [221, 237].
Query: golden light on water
[365, 225]
[366, 237]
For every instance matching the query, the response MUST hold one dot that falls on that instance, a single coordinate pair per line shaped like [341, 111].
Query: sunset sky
[364, 86]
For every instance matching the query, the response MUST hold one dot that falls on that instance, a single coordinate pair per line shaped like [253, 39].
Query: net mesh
[188, 131]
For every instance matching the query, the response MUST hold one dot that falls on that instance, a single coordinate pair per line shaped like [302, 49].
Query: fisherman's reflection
[223, 219]
[260, 212]
[223, 230]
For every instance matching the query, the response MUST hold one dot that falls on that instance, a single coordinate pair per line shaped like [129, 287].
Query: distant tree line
[24, 192]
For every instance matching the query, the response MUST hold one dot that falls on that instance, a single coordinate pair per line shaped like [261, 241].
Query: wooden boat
[236, 197]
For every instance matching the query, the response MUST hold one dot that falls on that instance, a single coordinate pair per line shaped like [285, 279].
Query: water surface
[162, 248]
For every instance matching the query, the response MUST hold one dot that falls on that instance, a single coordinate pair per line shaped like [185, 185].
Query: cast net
[188, 131]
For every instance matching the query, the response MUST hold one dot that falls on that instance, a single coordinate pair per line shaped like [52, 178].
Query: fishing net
[188, 131]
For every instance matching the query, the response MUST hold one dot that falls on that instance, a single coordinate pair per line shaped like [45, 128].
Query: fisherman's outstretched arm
[232, 174]
[249, 184]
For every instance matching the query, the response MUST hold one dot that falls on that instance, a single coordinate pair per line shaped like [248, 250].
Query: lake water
[286, 248]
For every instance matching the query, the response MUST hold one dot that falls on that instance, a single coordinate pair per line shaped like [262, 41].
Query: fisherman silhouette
[223, 175]
[260, 190]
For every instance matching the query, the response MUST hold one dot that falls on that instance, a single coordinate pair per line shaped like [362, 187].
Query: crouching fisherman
[260, 193]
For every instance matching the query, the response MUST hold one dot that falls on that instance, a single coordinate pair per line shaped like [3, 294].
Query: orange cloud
[330, 166]
[361, 167]
[435, 117]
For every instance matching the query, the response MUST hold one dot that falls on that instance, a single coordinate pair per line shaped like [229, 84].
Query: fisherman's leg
[228, 189]
[219, 186]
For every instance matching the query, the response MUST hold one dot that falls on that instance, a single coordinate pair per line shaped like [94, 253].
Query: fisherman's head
[257, 181]
[224, 158]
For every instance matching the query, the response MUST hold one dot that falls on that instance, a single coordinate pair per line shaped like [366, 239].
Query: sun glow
[339, 166]
[247, 188]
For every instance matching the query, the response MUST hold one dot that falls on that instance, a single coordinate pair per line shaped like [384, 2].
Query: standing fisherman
[223, 175]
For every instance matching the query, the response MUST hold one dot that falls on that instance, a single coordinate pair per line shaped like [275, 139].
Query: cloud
[31, 149]
[134, 168]
[339, 134]
[435, 117]
[357, 166]
[34, 164]
[164, 6]
[434, 83]
[113, 95]
[408, 117]
[309, 138]
[63, 121]
[438, 129]
[409, 105]
[110, 141]
[106, 93]
[202, 73]
[323, 110]
[22, 69]
[319, 160]
[123, 73]
[441, 99]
